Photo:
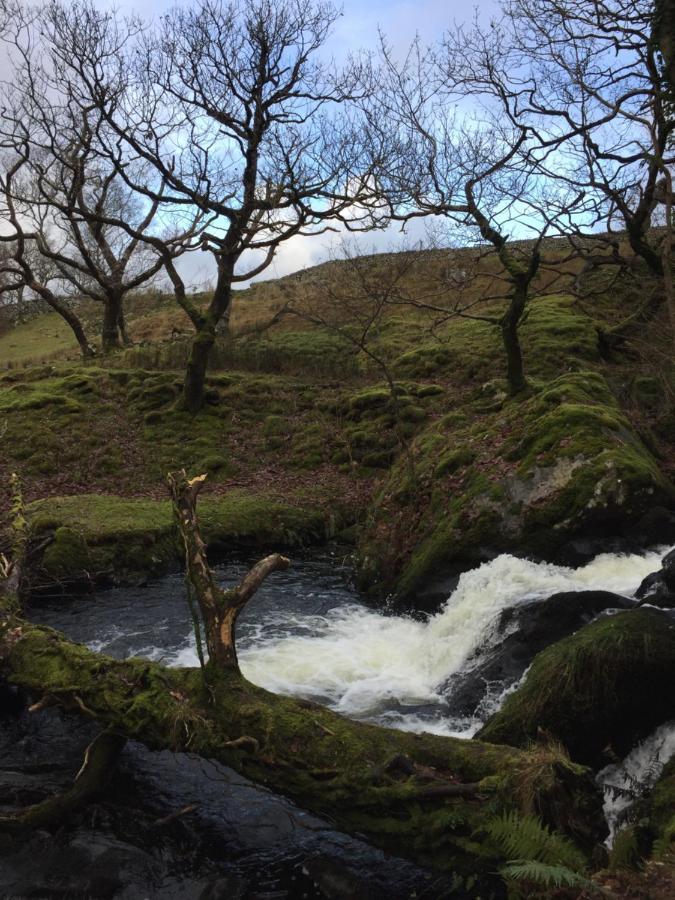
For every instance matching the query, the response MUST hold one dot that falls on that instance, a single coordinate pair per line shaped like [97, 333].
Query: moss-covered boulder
[92, 538]
[527, 476]
[598, 691]
[661, 811]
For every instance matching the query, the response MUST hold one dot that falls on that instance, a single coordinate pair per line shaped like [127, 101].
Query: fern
[544, 874]
[526, 838]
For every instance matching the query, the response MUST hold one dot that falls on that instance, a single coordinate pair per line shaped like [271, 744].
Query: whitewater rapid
[392, 669]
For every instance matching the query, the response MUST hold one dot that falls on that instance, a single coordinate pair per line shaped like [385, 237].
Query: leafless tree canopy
[223, 128]
[229, 109]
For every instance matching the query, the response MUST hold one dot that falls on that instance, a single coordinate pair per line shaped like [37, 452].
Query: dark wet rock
[336, 881]
[658, 588]
[524, 631]
[580, 551]
[657, 526]
[241, 841]
[88, 865]
[230, 888]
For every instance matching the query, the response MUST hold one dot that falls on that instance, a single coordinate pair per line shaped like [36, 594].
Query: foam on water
[364, 663]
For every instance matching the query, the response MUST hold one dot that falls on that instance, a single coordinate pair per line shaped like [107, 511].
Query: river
[307, 633]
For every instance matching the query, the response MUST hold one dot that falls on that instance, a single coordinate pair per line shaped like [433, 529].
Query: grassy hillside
[298, 416]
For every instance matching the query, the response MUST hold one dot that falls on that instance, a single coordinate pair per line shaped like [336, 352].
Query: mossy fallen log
[599, 691]
[422, 796]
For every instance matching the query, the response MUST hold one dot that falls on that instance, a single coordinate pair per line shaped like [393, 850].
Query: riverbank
[452, 473]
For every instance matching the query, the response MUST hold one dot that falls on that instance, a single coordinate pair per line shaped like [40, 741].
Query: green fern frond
[544, 874]
[526, 838]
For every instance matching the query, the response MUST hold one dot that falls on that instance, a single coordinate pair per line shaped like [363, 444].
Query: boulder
[558, 474]
[658, 588]
[524, 631]
[599, 691]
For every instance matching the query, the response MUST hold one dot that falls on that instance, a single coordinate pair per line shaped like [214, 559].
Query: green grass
[103, 537]
[45, 337]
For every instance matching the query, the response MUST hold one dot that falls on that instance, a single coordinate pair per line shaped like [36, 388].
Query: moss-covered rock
[97, 538]
[661, 811]
[528, 475]
[600, 690]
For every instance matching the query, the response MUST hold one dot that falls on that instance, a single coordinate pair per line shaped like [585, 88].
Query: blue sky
[357, 28]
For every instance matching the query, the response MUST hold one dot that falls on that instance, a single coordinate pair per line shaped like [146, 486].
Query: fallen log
[422, 796]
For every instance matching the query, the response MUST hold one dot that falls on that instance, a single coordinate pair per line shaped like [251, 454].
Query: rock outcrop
[599, 691]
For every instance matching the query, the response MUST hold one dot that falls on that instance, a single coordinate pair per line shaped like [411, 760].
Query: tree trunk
[666, 254]
[642, 248]
[418, 795]
[195, 373]
[205, 326]
[122, 325]
[70, 317]
[110, 334]
[515, 372]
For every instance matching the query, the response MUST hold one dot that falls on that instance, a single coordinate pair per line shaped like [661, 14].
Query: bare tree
[20, 266]
[458, 152]
[589, 80]
[231, 107]
[71, 187]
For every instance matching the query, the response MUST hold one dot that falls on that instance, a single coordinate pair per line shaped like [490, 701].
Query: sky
[357, 28]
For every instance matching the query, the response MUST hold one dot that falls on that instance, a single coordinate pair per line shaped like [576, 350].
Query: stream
[307, 633]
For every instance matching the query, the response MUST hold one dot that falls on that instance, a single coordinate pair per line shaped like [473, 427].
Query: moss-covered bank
[90, 538]
[524, 475]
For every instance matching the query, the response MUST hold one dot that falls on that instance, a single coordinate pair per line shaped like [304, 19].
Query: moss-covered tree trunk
[426, 797]
[205, 325]
[520, 274]
[510, 324]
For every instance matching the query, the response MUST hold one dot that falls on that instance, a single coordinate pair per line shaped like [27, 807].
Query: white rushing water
[635, 776]
[361, 662]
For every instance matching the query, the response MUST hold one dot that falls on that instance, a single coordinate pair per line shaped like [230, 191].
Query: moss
[526, 475]
[661, 810]
[556, 336]
[98, 537]
[601, 687]
[215, 465]
[454, 460]
[24, 399]
[67, 557]
[313, 351]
